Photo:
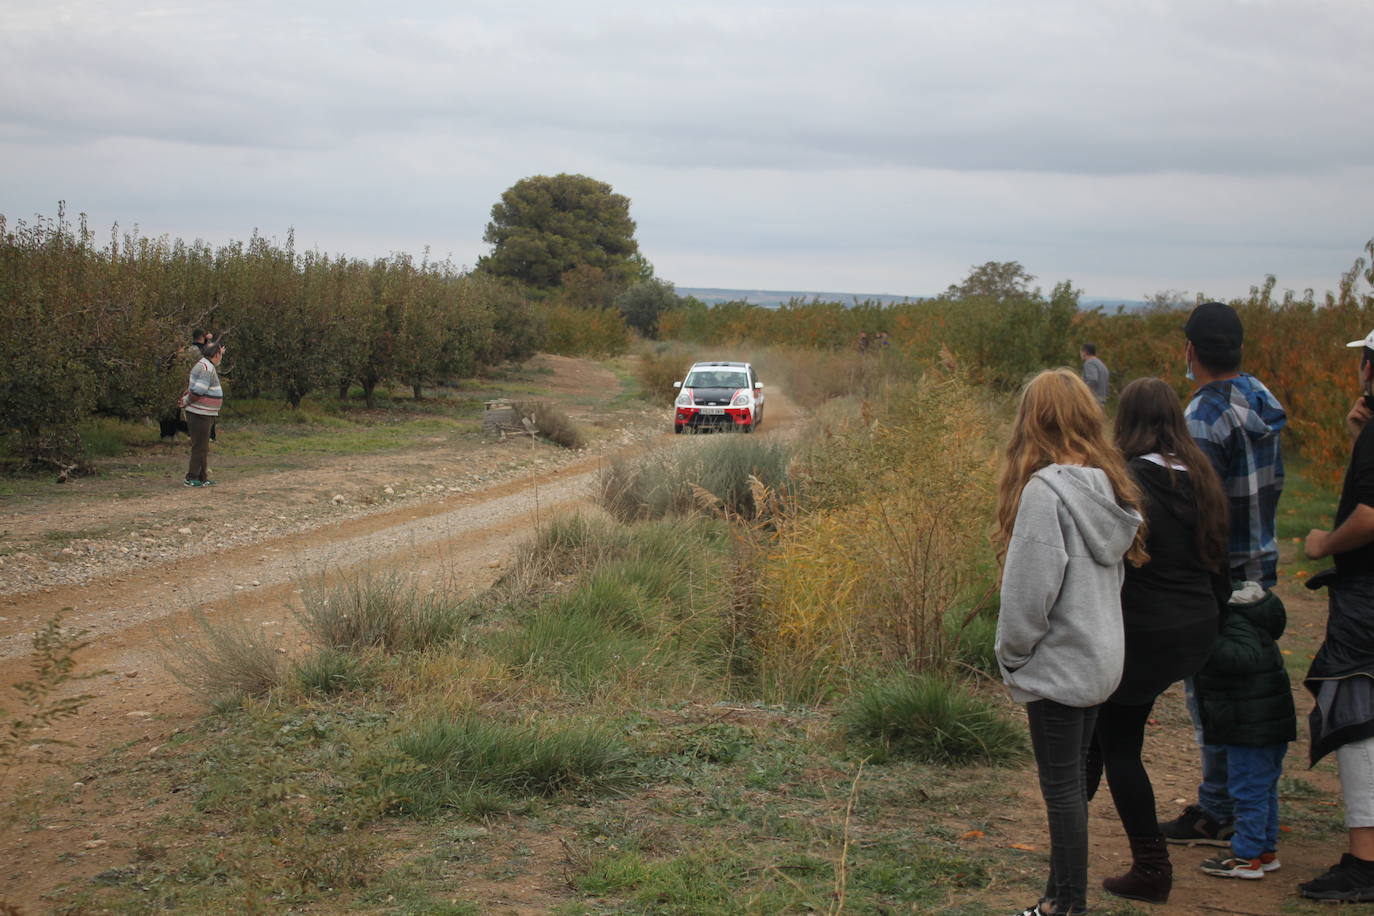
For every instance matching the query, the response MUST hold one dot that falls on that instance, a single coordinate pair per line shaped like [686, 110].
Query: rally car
[718, 395]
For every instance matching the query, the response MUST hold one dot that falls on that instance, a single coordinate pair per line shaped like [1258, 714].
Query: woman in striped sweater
[202, 401]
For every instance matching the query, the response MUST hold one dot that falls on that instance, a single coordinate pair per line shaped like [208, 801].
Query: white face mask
[1189, 374]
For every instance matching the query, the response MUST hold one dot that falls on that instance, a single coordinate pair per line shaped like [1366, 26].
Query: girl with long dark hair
[1170, 610]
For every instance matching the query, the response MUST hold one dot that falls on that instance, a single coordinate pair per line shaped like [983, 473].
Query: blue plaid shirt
[1236, 422]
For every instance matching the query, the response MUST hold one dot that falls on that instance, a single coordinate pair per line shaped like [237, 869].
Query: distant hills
[773, 298]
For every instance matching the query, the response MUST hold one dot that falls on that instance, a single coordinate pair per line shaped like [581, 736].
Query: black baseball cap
[1215, 328]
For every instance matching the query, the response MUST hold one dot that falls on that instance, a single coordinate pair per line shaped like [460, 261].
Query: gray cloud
[873, 147]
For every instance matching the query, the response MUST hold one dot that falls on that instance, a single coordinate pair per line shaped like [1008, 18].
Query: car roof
[731, 365]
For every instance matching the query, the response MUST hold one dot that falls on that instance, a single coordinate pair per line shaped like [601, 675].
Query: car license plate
[713, 411]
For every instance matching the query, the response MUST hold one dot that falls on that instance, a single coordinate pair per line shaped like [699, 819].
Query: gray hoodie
[1059, 630]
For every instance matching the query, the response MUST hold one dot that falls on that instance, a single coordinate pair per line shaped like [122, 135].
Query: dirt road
[466, 515]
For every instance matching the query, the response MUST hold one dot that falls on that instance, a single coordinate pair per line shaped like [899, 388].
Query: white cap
[1366, 341]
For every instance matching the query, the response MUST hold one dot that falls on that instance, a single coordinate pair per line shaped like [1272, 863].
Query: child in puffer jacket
[1246, 705]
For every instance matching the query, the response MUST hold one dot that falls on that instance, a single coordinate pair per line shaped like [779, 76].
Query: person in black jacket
[1170, 609]
[1341, 678]
[1246, 703]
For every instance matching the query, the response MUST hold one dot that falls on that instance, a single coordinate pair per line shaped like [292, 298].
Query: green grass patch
[328, 671]
[933, 719]
[642, 613]
[474, 765]
[1304, 505]
[105, 437]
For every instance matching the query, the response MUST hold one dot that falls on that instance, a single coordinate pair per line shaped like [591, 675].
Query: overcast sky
[878, 148]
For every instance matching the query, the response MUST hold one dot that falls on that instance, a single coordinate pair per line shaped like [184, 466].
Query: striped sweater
[203, 393]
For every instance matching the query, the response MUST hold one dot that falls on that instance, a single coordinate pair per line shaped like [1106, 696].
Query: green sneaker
[207, 483]
[188, 482]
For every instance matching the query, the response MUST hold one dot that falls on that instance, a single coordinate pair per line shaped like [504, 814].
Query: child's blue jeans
[1253, 782]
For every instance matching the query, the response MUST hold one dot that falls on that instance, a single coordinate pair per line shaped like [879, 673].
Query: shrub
[895, 539]
[224, 661]
[381, 610]
[53, 661]
[660, 485]
[549, 421]
[574, 331]
[476, 761]
[656, 371]
[932, 719]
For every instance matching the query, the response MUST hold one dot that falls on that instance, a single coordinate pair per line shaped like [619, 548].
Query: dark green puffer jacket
[1243, 691]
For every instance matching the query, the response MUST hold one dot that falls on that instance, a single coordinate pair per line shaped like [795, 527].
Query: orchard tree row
[102, 329]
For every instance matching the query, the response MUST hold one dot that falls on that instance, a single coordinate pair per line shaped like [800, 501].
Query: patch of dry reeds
[894, 544]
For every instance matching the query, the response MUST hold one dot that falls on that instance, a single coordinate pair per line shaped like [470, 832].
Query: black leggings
[1116, 747]
[1060, 736]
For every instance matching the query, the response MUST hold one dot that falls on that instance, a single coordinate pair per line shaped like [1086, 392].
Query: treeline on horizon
[99, 329]
[997, 329]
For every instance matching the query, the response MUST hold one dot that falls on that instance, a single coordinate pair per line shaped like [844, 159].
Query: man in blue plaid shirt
[1236, 421]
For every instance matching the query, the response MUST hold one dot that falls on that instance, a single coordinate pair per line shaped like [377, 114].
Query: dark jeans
[1117, 744]
[198, 426]
[1212, 794]
[1060, 736]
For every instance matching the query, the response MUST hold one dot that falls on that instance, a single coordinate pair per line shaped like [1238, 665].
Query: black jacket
[1346, 654]
[1243, 691]
[1169, 605]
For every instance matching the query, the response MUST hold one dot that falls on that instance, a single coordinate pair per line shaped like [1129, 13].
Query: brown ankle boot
[1151, 876]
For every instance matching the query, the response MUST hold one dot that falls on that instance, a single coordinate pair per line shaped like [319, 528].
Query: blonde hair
[1058, 420]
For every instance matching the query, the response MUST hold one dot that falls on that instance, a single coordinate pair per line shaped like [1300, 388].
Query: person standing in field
[202, 401]
[1341, 678]
[1067, 513]
[1095, 372]
[1236, 422]
[1169, 606]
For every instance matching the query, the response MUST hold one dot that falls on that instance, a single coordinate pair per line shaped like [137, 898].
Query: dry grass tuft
[548, 420]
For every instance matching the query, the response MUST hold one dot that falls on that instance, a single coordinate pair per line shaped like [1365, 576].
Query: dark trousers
[1117, 745]
[1060, 736]
[198, 426]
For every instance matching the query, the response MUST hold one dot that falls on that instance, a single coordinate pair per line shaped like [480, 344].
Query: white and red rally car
[718, 395]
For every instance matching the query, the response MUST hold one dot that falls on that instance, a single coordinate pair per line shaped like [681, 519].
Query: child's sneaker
[1269, 861]
[1233, 867]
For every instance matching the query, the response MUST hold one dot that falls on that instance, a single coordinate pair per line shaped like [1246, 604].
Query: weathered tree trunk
[370, 392]
[419, 395]
[344, 385]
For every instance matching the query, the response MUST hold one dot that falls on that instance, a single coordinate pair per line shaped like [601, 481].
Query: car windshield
[716, 378]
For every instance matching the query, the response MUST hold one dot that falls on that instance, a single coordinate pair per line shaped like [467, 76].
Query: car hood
[711, 397]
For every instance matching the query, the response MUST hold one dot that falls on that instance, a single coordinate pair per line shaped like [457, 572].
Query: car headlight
[683, 400]
[741, 400]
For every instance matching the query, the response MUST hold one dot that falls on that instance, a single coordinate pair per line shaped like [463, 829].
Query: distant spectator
[882, 340]
[862, 343]
[202, 401]
[1094, 372]
[199, 340]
